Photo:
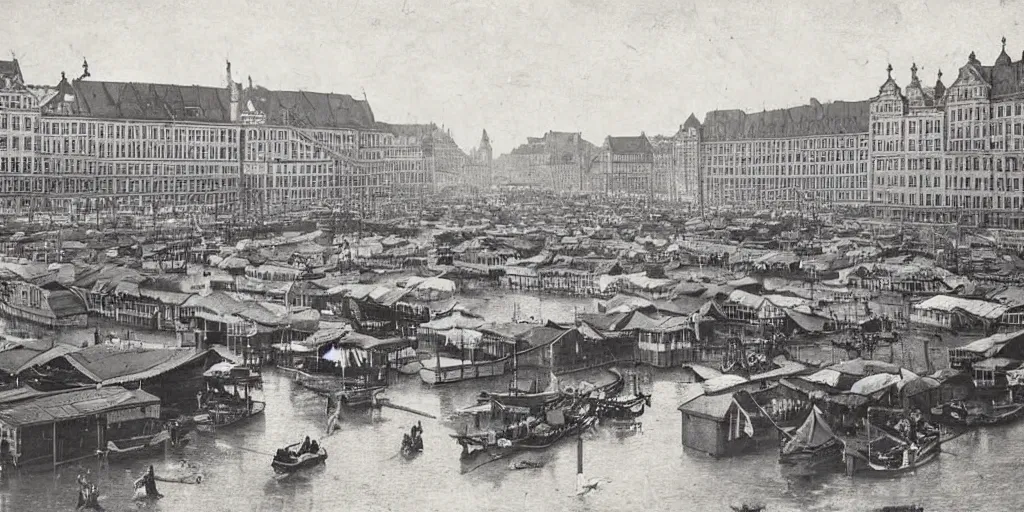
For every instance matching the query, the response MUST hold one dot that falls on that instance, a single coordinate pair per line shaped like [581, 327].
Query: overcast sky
[520, 68]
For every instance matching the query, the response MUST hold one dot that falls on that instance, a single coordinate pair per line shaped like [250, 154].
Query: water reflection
[648, 469]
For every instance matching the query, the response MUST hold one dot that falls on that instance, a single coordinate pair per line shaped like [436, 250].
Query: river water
[645, 471]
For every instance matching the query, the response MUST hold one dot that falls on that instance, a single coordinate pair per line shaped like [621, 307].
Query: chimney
[233, 91]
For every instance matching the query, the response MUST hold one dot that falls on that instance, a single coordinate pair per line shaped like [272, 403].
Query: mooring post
[579, 464]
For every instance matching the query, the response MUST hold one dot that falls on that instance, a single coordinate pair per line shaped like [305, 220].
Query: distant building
[558, 161]
[951, 155]
[626, 168]
[481, 164]
[813, 154]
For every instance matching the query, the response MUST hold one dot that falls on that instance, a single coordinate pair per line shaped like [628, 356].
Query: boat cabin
[56, 428]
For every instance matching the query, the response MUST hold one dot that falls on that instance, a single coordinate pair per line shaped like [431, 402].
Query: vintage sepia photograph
[511, 255]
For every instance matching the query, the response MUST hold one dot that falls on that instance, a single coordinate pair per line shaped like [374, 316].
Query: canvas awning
[813, 433]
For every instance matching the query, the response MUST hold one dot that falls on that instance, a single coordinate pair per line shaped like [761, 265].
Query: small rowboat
[292, 464]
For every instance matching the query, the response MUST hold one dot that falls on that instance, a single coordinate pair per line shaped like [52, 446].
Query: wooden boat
[225, 414]
[904, 458]
[291, 464]
[533, 433]
[958, 414]
[446, 370]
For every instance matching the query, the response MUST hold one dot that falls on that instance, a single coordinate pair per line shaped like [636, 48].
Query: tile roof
[146, 101]
[1005, 76]
[73, 404]
[10, 68]
[840, 117]
[629, 145]
[310, 109]
[691, 122]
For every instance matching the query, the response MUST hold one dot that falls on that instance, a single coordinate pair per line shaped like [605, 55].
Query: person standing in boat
[305, 446]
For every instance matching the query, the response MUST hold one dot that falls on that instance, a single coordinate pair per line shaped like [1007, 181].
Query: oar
[222, 444]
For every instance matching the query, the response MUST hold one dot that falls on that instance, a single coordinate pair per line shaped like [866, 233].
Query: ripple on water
[646, 471]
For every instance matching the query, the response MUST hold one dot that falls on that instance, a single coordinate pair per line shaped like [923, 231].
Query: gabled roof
[109, 365]
[11, 68]
[629, 145]
[691, 122]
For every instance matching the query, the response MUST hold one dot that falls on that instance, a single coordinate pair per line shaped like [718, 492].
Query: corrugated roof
[712, 407]
[992, 345]
[367, 342]
[73, 404]
[110, 365]
[977, 308]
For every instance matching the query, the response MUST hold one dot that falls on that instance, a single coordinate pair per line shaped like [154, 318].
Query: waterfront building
[43, 301]
[558, 161]
[54, 429]
[726, 422]
[812, 155]
[95, 150]
[951, 155]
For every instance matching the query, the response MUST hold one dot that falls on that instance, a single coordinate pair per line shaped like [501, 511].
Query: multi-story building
[676, 165]
[92, 148]
[952, 155]
[816, 153]
[625, 168]
[449, 162]
[688, 180]
[558, 161]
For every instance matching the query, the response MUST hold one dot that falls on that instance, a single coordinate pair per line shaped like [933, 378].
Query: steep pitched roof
[840, 117]
[10, 68]
[629, 145]
[691, 122]
[147, 101]
[310, 109]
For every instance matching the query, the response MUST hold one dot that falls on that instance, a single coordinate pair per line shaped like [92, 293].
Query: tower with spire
[482, 158]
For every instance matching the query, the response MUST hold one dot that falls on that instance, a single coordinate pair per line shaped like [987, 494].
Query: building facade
[626, 168]
[815, 154]
[100, 150]
[952, 155]
[559, 161]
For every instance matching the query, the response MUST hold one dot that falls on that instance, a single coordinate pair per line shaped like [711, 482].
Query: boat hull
[431, 374]
[304, 462]
[232, 419]
[926, 454]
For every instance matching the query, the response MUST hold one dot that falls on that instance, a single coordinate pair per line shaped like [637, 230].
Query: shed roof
[979, 308]
[73, 404]
[110, 365]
